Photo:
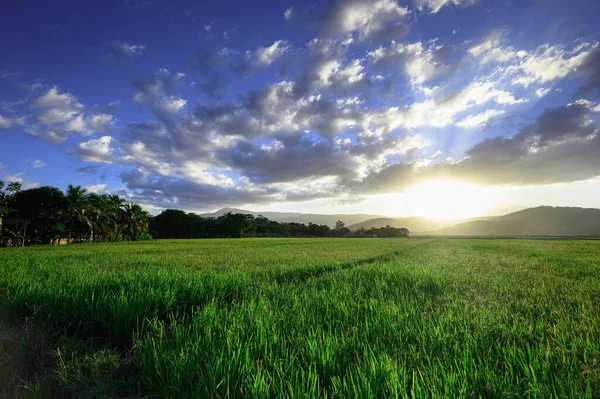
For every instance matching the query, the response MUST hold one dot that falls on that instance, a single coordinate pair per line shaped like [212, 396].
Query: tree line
[173, 223]
[47, 215]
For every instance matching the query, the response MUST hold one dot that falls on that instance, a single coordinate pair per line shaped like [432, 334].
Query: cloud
[55, 100]
[5, 123]
[126, 50]
[436, 112]
[590, 68]
[96, 188]
[7, 74]
[287, 140]
[370, 20]
[30, 185]
[434, 6]
[169, 192]
[171, 105]
[288, 160]
[288, 14]
[491, 49]
[561, 145]
[418, 62]
[268, 55]
[541, 92]
[227, 35]
[96, 150]
[327, 68]
[17, 177]
[161, 92]
[163, 84]
[88, 170]
[543, 65]
[59, 114]
[473, 121]
[334, 122]
[37, 163]
[549, 63]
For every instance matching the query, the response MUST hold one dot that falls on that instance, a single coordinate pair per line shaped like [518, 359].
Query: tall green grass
[316, 318]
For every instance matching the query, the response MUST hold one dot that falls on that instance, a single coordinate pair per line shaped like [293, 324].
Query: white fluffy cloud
[542, 65]
[268, 55]
[58, 114]
[548, 63]
[417, 61]
[96, 150]
[434, 6]
[96, 188]
[473, 121]
[369, 19]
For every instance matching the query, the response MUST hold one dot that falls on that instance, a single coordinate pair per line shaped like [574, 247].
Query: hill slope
[413, 224]
[305, 218]
[540, 221]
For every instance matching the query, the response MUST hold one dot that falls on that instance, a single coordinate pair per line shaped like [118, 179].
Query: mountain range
[539, 221]
[293, 217]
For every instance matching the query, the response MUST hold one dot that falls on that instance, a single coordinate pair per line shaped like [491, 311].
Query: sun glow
[440, 199]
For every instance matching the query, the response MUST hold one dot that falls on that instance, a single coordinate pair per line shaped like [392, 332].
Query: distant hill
[293, 217]
[414, 224]
[540, 221]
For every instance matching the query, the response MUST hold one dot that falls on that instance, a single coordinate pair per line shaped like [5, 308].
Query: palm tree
[100, 214]
[116, 211]
[135, 220]
[76, 211]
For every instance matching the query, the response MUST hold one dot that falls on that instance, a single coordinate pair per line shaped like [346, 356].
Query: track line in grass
[302, 275]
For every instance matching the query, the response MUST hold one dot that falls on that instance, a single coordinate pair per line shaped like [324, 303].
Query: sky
[440, 108]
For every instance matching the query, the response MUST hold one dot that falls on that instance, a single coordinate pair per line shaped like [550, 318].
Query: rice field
[302, 318]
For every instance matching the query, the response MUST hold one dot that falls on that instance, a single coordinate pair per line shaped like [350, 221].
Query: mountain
[305, 218]
[414, 224]
[540, 221]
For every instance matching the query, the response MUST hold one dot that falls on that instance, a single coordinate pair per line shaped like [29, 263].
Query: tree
[76, 209]
[135, 221]
[41, 210]
[7, 197]
[7, 202]
[116, 205]
[340, 229]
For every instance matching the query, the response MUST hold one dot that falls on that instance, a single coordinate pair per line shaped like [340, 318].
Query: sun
[440, 199]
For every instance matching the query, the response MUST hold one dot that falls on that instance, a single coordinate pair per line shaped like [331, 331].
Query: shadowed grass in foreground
[315, 318]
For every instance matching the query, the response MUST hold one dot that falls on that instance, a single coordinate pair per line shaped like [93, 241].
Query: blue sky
[375, 106]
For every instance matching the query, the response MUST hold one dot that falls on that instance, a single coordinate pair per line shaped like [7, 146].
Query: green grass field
[302, 318]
